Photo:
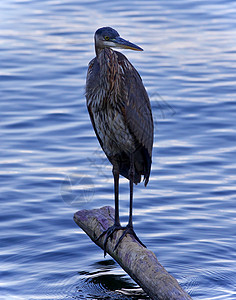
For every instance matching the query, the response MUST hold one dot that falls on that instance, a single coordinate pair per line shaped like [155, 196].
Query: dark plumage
[120, 112]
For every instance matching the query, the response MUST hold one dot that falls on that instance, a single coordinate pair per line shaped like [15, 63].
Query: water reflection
[104, 283]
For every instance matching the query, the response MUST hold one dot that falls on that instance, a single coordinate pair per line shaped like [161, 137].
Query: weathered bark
[139, 262]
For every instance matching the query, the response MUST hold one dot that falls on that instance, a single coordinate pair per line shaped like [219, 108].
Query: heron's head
[109, 37]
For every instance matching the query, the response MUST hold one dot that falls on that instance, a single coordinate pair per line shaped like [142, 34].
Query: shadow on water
[104, 284]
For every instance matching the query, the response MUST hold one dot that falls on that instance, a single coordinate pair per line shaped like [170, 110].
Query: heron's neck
[107, 59]
[108, 70]
[99, 49]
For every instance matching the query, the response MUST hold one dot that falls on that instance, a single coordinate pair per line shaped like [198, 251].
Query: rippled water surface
[51, 164]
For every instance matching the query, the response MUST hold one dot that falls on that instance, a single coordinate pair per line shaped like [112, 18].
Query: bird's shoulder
[93, 66]
[126, 64]
[92, 80]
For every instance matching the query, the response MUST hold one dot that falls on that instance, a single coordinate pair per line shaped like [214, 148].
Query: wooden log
[139, 262]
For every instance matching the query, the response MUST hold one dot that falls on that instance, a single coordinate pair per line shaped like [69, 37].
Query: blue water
[51, 164]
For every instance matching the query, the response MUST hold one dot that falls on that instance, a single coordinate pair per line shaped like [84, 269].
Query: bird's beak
[122, 43]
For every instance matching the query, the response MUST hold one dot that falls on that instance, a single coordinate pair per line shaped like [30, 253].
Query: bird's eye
[107, 38]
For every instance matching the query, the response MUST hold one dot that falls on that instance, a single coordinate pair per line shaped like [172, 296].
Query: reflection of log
[139, 262]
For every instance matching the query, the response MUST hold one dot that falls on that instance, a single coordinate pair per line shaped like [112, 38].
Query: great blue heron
[121, 116]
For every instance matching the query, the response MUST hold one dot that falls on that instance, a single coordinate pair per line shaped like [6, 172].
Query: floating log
[139, 262]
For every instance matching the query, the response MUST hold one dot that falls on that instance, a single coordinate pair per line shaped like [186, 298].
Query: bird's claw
[109, 233]
[129, 229]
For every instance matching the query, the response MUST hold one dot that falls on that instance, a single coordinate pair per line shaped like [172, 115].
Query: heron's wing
[137, 108]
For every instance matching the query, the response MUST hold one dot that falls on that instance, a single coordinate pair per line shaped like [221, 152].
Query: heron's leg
[131, 190]
[116, 226]
[115, 172]
[129, 228]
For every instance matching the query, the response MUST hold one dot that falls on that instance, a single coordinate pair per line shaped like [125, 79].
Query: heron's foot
[109, 233]
[129, 229]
